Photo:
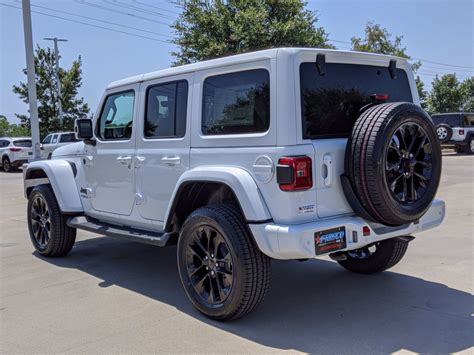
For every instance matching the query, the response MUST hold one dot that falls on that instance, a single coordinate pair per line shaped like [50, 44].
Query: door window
[67, 137]
[166, 108]
[54, 139]
[47, 140]
[116, 119]
[236, 103]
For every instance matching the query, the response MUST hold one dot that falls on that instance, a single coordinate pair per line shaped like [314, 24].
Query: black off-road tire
[61, 237]
[448, 131]
[251, 268]
[470, 146]
[366, 159]
[460, 149]
[387, 254]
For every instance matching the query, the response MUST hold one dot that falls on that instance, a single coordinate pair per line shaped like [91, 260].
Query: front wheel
[376, 257]
[223, 272]
[49, 232]
[470, 147]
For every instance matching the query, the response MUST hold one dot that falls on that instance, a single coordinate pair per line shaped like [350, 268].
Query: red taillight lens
[295, 173]
[461, 132]
[15, 149]
[378, 98]
[365, 231]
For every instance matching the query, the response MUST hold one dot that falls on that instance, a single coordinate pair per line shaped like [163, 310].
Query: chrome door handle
[171, 160]
[124, 160]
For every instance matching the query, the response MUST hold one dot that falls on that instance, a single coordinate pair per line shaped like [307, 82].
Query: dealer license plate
[330, 240]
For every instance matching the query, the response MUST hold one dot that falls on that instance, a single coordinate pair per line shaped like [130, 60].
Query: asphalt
[110, 296]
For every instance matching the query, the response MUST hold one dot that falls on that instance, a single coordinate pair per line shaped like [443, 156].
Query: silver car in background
[14, 152]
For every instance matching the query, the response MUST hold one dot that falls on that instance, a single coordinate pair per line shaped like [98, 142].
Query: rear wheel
[376, 257]
[224, 274]
[470, 147]
[7, 167]
[49, 232]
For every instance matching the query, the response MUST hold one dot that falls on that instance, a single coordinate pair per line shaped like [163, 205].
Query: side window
[4, 143]
[67, 137]
[47, 140]
[116, 118]
[236, 103]
[54, 139]
[166, 107]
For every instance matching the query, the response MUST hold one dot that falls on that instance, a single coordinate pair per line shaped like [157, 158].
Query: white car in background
[14, 152]
[55, 140]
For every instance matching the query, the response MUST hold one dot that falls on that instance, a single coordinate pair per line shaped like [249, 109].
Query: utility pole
[30, 70]
[58, 82]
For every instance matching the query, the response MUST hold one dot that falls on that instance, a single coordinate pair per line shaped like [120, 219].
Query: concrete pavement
[110, 296]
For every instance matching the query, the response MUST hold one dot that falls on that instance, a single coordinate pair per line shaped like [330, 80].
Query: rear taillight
[461, 132]
[294, 173]
[15, 149]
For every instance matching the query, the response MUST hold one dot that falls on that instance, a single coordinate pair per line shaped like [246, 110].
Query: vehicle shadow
[315, 306]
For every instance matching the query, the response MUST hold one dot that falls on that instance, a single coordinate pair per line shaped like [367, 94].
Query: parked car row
[14, 152]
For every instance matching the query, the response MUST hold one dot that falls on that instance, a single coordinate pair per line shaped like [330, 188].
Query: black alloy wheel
[209, 265]
[408, 164]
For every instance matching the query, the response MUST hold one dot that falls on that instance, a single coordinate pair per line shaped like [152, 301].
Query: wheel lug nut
[212, 273]
[207, 267]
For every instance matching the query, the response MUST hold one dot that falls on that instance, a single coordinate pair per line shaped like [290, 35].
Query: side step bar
[135, 235]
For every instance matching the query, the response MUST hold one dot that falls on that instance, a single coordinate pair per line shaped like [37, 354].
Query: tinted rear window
[65, 138]
[330, 103]
[452, 120]
[22, 143]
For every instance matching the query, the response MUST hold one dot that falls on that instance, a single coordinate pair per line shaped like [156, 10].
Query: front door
[110, 166]
[163, 141]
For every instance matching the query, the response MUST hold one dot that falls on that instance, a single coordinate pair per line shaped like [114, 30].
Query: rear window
[330, 103]
[69, 137]
[453, 120]
[236, 103]
[23, 143]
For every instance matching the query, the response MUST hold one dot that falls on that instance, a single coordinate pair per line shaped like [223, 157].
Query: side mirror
[83, 129]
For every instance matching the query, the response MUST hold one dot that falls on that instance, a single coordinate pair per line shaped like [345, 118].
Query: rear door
[330, 104]
[163, 141]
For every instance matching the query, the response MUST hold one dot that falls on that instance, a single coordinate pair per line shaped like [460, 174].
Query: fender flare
[238, 180]
[60, 174]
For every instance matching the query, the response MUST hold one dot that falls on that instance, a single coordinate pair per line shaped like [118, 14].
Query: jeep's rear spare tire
[393, 162]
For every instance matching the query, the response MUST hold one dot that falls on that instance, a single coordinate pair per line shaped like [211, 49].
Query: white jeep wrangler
[283, 153]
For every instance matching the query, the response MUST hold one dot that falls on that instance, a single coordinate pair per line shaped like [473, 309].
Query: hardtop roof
[242, 58]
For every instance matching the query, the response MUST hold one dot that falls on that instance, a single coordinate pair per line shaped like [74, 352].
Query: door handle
[327, 162]
[124, 160]
[171, 160]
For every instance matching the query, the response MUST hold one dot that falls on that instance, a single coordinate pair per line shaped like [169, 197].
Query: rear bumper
[297, 241]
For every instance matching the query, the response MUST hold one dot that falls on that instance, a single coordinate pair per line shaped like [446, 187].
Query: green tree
[448, 94]
[209, 29]
[467, 89]
[8, 129]
[379, 40]
[71, 81]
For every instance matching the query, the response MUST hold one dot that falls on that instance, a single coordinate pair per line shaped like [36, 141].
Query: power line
[103, 21]
[91, 25]
[156, 7]
[135, 8]
[82, 2]
[420, 59]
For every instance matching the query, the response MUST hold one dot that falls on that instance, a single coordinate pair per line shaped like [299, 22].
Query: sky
[131, 37]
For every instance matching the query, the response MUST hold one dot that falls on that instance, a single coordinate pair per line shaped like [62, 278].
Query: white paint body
[140, 193]
[55, 140]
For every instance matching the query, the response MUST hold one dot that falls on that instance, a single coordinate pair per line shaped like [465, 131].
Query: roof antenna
[321, 64]
[392, 68]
